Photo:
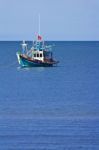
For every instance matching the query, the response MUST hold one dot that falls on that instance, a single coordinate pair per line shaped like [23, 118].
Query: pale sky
[60, 19]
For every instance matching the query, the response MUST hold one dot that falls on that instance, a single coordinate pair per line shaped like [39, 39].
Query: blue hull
[28, 63]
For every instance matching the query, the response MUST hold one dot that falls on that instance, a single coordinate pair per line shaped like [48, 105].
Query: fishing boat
[38, 55]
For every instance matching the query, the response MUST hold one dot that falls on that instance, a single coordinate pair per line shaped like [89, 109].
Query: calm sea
[55, 108]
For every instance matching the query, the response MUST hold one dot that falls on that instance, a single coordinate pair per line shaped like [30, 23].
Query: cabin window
[34, 55]
[37, 55]
[40, 55]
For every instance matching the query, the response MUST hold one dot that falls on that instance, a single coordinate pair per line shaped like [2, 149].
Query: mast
[39, 30]
[39, 33]
[39, 37]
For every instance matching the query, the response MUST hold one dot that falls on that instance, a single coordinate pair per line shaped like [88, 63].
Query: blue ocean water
[52, 108]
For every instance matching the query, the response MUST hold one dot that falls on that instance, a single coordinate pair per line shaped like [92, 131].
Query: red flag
[39, 37]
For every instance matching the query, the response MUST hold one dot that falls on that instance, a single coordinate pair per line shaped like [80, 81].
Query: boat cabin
[38, 55]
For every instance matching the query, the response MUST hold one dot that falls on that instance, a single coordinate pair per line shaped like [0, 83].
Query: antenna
[39, 25]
